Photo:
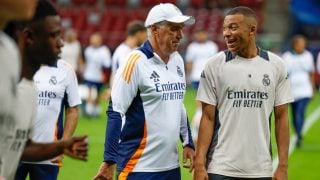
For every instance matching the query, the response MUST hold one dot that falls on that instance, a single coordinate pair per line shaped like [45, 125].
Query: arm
[111, 145]
[124, 90]
[206, 130]
[282, 139]
[312, 81]
[186, 138]
[69, 128]
[189, 67]
[80, 63]
[71, 121]
[76, 147]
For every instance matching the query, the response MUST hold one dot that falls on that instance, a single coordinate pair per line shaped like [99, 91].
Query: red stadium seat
[196, 3]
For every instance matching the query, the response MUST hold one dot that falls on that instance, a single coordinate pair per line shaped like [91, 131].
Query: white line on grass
[308, 124]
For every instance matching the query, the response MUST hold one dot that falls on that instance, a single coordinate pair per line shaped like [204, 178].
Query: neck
[131, 42]
[163, 55]
[250, 51]
[29, 68]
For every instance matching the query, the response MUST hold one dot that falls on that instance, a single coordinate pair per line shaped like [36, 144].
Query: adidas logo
[155, 76]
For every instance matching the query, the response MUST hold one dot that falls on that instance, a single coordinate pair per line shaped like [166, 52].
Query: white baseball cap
[167, 12]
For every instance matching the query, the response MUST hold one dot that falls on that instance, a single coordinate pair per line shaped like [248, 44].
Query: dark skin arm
[282, 139]
[205, 130]
[75, 147]
[70, 125]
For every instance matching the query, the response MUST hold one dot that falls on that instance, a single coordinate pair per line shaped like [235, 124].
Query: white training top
[245, 92]
[300, 66]
[27, 108]
[57, 88]
[318, 63]
[150, 94]
[95, 60]
[9, 77]
[120, 56]
[70, 52]
[198, 54]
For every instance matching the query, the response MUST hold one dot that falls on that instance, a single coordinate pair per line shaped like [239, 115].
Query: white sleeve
[114, 60]
[189, 54]
[72, 89]
[318, 63]
[283, 89]
[310, 63]
[125, 86]
[207, 88]
[107, 57]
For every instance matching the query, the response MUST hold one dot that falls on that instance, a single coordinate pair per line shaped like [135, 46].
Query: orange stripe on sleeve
[127, 72]
[135, 157]
[55, 138]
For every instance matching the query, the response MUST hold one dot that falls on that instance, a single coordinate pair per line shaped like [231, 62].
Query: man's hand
[281, 173]
[77, 147]
[200, 172]
[57, 159]
[188, 153]
[105, 172]
[107, 94]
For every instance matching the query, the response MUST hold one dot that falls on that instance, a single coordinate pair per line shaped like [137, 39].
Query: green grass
[303, 163]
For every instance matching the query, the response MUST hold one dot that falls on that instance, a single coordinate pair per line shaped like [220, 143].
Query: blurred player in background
[300, 66]
[97, 62]
[57, 89]
[239, 89]
[197, 55]
[146, 115]
[72, 52]
[10, 72]
[136, 35]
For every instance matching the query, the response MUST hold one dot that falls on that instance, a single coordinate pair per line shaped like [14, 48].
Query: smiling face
[239, 33]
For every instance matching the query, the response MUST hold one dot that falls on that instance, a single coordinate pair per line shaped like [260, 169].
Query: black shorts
[222, 177]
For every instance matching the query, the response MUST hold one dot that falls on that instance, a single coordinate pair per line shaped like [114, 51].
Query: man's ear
[154, 29]
[28, 35]
[253, 30]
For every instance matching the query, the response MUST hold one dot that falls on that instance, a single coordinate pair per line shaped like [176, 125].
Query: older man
[146, 112]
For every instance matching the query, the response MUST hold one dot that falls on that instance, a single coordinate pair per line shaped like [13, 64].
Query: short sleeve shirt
[244, 91]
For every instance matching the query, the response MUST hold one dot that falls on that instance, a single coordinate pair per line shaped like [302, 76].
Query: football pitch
[304, 163]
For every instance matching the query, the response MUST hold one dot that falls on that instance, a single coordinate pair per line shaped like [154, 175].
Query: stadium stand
[110, 17]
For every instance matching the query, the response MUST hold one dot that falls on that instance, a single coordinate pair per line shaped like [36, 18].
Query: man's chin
[233, 50]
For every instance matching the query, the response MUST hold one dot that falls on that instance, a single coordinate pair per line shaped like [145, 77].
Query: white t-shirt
[57, 87]
[318, 63]
[149, 94]
[300, 66]
[70, 52]
[95, 60]
[245, 92]
[198, 54]
[9, 77]
[120, 56]
[27, 108]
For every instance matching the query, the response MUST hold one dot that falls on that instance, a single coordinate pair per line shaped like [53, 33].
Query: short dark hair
[246, 11]
[44, 8]
[134, 27]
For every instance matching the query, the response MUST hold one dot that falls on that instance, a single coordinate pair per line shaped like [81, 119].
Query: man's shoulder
[220, 57]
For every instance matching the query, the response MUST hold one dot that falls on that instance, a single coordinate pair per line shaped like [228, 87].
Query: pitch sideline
[293, 138]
